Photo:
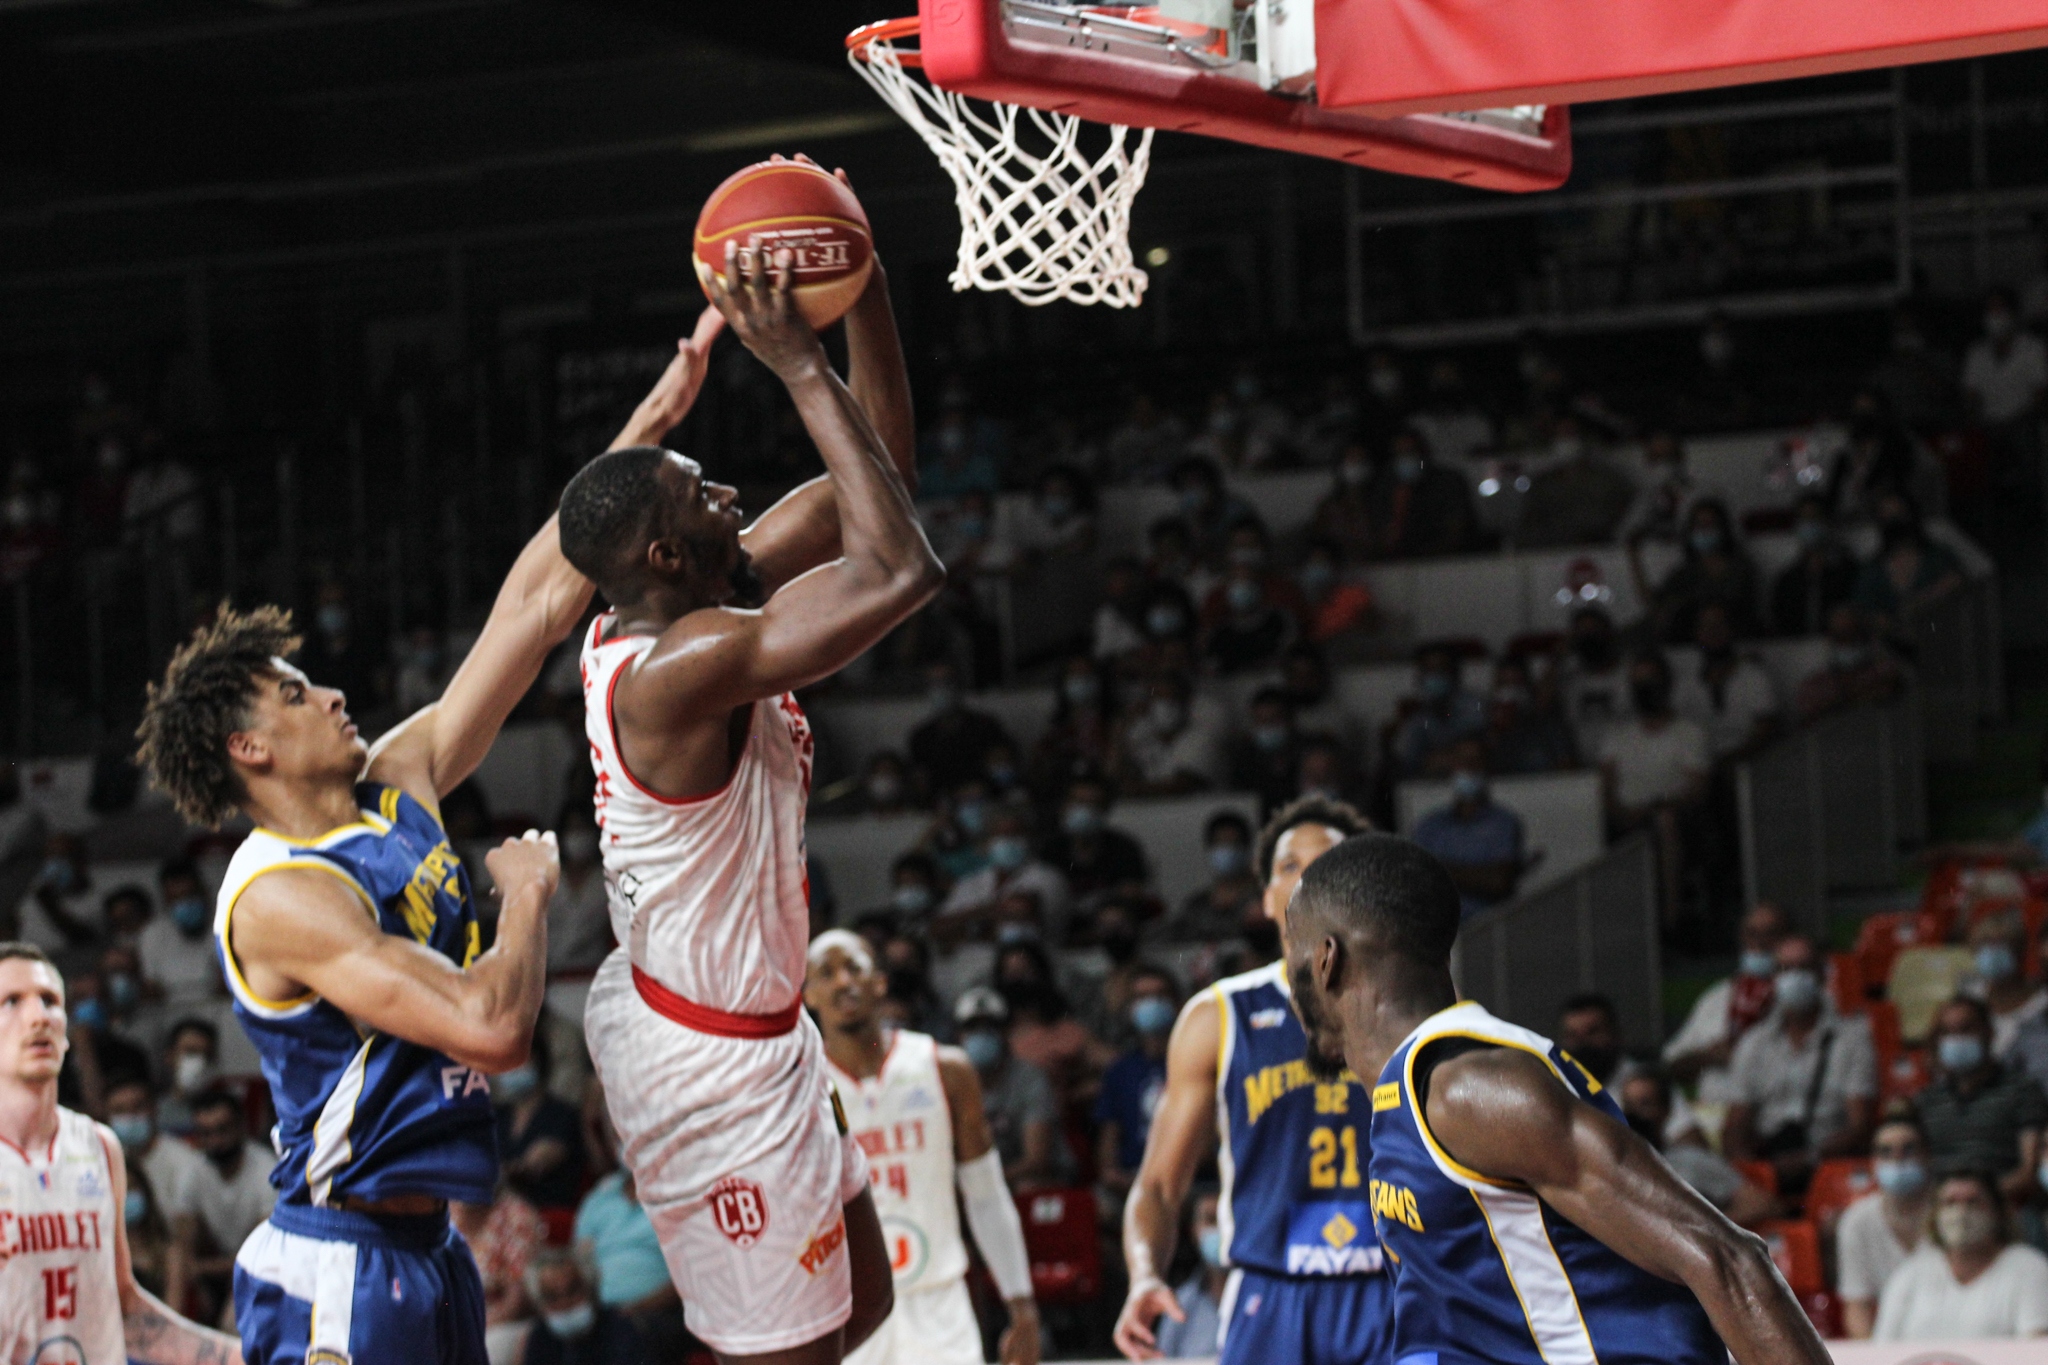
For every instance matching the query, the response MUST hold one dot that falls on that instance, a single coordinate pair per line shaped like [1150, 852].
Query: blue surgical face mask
[135, 1207]
[1810, 534]
[332, 619]
[972, 817]
[1057, 506]
[1209, 1241]
[1407, 468]
[59, 875]
[572, 1322]
[1798, 989]
[1706, 540]
[1434, 686]
[1995, 962]
[942, 696]
[133, 1130]
[189, 914]
[1271, 739]
[912, 898]
[1082, 820]
[1317, 577]
[90, 1014]
[1228, 860]
[984, 1047]
[1243, 595]
[1151, 1015]
[1960, 1052]
[1009, 852]
[1900, 1179]
[515, 1084]
[1081, 689]
[123, 990]
[1164, 621]
[1759, 963]
[1467, 785]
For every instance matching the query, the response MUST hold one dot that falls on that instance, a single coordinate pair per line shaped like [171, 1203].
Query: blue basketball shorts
[325, 1287]
[1326, 1320]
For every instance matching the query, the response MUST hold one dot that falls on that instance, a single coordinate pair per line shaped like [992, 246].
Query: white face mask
[1963, 1226]
[191, 1072]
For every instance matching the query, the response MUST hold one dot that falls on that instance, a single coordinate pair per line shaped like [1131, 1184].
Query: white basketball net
[1043, 225]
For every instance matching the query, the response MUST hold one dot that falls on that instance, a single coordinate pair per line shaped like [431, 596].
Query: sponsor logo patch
[1330, 1238]
[740, 1208]
[1385, 1097]
[821, 1248]
[1272, 1018]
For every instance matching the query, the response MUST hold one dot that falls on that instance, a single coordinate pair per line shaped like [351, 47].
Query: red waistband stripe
[704, 1019]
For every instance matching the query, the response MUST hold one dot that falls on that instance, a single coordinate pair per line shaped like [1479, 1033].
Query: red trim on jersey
[704, 1019]
[611, 724]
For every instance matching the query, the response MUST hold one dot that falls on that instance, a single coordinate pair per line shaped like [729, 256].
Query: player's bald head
[1383, 892]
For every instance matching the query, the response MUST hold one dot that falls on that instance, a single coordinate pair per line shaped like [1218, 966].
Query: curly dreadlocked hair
[203, 699]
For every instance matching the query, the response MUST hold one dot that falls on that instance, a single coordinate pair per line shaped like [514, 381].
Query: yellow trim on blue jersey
[1535, 1338]
[227, 927]
[387, 804]
[1223, 1037]
[351, 827]
[1422, 1120]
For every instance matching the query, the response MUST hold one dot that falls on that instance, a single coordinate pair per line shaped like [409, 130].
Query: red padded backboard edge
[966, 50]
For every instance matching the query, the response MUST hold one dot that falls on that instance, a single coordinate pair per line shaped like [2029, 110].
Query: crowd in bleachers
[1023, 919]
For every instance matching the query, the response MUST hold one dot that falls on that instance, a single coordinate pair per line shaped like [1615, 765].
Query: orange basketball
[773, 205]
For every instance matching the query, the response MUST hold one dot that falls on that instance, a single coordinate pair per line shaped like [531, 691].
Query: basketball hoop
[1040, 218]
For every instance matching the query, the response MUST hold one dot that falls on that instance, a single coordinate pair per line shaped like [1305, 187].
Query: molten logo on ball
[740, 1209]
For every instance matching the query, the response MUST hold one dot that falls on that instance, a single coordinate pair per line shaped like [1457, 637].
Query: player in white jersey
[716, 1080]
[67, 1294]
[915, 1108]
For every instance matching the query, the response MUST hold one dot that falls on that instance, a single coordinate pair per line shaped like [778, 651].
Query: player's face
[1325, 1055]
[300, 729]
[1297, 848]
[32, 1036]
[843, 988]
[705, 518]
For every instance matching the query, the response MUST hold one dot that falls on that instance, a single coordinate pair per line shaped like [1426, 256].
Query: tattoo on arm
[156, 1334]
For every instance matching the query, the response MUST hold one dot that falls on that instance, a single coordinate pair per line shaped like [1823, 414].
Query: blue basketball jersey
[1484, 1271]
[362, 1113]
[1293, 1150]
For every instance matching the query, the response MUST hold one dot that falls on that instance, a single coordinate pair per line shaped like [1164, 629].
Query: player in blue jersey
[1305, 1281]
[1524, 1222]
[350, 942]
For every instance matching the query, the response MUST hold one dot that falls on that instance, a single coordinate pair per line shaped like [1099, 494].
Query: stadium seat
[1837, 1183]
[1883, 937]
[561, 1225]
[1922, 978]
[1061, 1238]
[1845, 982]
[1795, 1247]
[1761, 1174]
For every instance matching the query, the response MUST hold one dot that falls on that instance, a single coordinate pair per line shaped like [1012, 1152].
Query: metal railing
[1594, 931]
[1833, 807]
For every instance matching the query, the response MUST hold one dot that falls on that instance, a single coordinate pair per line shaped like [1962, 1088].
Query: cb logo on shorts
[740, 1209]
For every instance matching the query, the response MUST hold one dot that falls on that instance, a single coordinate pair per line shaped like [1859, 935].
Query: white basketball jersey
[59, 1303]
[901, 1121]
[709, 893]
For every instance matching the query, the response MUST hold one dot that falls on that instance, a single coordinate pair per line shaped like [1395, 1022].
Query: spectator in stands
[60, 910]
[1806, 591]
[1701, 1050]
[1729, 695]
[1324, 771]
[1805, 1078]
[885, 786]
[1388, 395]
[1650, 1105]
[1592, 678]
[1305, 677]
[153, 1251]
[576, 1327]
[1879, 1231]
[1209, 510]
[1171, 559]
[1478, 840]
[2005, 374]
[1266, 757]
[1193, 1335]
[1080, 735]
[1860, 670]
[1058, 520]
[337, 649]
[1998, 945]
[22, 837]
[632, 1277]
[951, 745]
[1877, 460]
[1716, 570]
[1333, 606]
[1524, 731]
[191, 1062]
[1146, 443]
[1970, 1281]
[1119, 625]
[1910, 574]
[1419, 509]
[1580, 499]
[1250, 626]
[915, 886]
[1978, 1114]
[166, 1164]
[124, 914]
[1174, 744]
[1655, 767]
[502, 1236]
[1095, 857]
[1099, 980]
[226, 1195]
[960, 452]
[99, 1050]
[1666, 493]
[1344, 518]
[579, 940]
[1218, 910]
[176, 947]
[1454, 426]
[1133, 1082]
[1043, 1029]
[954, 838]
[907, 959]
[1012, 866]
[1917, 380]
[1023, 1116]
[540, 1138]
[1441, 715]
[1005, 775]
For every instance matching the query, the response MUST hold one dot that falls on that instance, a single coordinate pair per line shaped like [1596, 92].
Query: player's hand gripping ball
[778, 205]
